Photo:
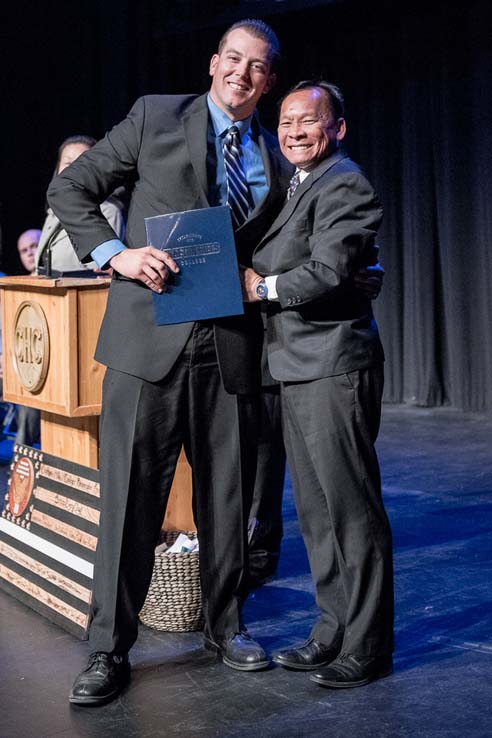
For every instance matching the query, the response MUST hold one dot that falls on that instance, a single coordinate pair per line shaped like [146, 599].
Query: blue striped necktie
[237, 187]
[294, 183]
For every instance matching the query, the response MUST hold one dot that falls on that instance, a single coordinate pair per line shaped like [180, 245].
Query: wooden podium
[50, 329]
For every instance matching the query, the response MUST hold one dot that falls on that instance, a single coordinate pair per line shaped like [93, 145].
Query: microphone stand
[48, 261]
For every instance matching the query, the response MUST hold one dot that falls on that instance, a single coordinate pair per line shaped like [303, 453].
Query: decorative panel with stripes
[48, 536]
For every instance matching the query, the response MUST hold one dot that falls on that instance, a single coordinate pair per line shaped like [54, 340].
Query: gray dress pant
[330, 426]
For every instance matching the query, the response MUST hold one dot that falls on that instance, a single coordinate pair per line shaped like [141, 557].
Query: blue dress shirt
[253, 167]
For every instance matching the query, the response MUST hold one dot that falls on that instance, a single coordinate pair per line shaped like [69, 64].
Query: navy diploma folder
[202, 243]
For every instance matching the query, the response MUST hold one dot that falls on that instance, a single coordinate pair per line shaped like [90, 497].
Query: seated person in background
[53, 237]
[27, 245]
[28, 426]
[2, 274]
[33, 253]
[28, 417]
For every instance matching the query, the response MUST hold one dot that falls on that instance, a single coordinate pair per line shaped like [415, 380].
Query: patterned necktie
[294, 184]
[237, 188]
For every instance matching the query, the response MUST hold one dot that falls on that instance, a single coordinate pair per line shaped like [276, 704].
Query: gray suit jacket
[322, 326]
[55, 237]
[160, 149]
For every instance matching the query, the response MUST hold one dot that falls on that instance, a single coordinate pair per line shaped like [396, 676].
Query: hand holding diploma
[202, 243]
[147, 264]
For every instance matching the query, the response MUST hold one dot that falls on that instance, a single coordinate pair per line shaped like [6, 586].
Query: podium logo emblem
[31, 345]
[21, 486]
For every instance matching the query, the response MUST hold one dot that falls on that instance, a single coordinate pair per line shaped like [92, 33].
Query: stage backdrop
[419, 111]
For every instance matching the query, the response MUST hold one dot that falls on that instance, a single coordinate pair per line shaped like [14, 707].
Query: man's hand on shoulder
[147, 264]
[369, 280]
[249, 282]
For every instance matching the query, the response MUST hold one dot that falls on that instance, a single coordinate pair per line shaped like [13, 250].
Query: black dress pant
[143, 426]
[264, 546]
[28, 425]
[330, 426]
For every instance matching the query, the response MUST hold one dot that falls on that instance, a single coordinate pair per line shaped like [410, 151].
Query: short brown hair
[258, 29]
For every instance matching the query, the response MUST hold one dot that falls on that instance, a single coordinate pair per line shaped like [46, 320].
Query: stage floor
[437, 479]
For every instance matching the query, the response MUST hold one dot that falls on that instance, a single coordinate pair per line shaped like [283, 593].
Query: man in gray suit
[194, 383]
[324, 348]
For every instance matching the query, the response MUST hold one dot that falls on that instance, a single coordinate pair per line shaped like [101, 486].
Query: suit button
[289, 301]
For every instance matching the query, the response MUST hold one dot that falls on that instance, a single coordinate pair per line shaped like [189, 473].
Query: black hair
[333, 93]
[79, 138]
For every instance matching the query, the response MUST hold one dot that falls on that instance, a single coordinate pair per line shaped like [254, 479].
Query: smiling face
[308, 131]
[241, 74]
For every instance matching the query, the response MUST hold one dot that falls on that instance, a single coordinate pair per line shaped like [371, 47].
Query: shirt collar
[221, 121]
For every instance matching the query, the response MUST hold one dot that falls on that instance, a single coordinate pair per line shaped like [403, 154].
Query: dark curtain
[418, 87]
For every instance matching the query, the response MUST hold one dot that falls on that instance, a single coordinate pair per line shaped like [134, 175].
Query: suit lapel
[291, 205]
[51, 226]
[195, 124]
[265, 153]
[272, 174]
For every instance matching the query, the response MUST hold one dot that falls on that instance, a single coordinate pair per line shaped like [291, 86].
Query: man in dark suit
[193, 383]
[324, 348]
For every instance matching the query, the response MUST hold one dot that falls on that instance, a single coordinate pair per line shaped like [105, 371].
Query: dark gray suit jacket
[160, 149]
[322, 326]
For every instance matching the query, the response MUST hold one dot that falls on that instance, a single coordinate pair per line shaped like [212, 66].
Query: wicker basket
[174, 599]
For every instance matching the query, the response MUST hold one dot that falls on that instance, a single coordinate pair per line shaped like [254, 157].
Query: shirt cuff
[271, 283]
[103, 253]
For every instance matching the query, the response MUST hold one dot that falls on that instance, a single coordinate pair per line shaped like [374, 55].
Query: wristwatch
[262, 290]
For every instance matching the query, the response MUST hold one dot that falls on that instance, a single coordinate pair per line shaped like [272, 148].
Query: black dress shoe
[353, 671]
[103, 679]
[239, 651]
[308, 656]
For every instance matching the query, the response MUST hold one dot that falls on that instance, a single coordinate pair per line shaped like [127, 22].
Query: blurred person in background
[54, 243]
[27, 245]
[28, 418]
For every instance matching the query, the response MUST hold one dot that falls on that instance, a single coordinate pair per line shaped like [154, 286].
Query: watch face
[262, 290]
